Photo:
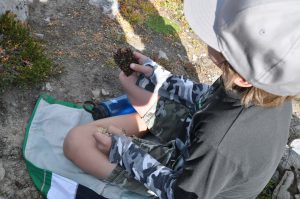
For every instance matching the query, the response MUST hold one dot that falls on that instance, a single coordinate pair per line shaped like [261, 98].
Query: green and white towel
[53, 174]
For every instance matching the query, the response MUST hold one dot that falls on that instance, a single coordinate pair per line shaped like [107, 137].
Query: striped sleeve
[173, 87]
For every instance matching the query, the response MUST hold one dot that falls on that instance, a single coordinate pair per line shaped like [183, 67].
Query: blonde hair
[251, 95]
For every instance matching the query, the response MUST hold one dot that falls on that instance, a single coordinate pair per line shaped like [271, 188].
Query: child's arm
[174, 87]
[143, 167]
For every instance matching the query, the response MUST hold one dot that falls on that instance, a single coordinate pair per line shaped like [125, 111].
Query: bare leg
[80, 145]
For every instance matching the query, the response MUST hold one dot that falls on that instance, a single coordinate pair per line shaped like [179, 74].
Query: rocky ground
[80, 39]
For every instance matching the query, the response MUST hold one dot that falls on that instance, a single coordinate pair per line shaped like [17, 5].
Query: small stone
[14, 104]
[289, 159]
[38, 35]
[281, 191]
[162, 55]
[96, 93]
[49, 87]
[203, 55]
[109, 7]
[195, 58]
[47, 19]
[276, 176]
[294, 128]
[180, 57]
[295, 144]
[104, 92]
[2, 171]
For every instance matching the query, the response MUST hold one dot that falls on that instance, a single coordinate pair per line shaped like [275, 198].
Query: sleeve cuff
[119, 146]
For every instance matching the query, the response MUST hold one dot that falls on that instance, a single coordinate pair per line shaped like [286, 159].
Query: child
[227, 139]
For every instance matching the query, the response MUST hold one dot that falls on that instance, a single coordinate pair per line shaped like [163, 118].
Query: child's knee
[71, 143]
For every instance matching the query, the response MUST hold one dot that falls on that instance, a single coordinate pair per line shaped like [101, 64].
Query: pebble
[162, 55]
[295, 144]
[39, 35]
[104, 92]
[180, 57]
[281, 191]
[195, 58]
[47, 19]
[49, 87]
[96, 93]
[289, 159]
[110, 7]
[2, 171]
[14, 104]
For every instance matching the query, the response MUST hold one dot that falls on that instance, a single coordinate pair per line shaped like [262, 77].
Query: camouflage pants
[165, 120]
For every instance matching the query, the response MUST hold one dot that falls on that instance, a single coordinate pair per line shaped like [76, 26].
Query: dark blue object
[118, 106]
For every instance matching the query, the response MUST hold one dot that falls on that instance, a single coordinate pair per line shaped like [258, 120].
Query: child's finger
[103, 142]
[142, 69]
[139, 56]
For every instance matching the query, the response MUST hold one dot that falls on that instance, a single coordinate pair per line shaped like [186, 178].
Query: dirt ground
[80, 39]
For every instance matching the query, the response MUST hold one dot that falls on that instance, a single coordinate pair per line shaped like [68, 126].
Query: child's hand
[103, 138]
[140, 57]
[140, 68]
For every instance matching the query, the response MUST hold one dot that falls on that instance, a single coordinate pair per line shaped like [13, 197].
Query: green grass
[175, 10]
[22, 59]
[162, 25]
[141, 12]
[176, 6]
[136, 11]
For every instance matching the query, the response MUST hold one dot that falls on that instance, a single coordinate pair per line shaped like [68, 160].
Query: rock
[162, 55]
[295, 144]
[49, 87]
[38, 35]
[281, 191]
[19, 7]
[180, 57]
[110, 7]
[13, 103]
[104, 92]
[294, 128]
[2, 171]
[194, 58]
[276, 177]
[96, 93]
[47, 20]
[289, 159]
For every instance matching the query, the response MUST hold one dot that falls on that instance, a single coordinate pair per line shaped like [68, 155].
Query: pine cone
[124, 57]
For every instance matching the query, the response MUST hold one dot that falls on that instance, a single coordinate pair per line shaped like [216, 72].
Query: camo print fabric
[174, 87]
[138, 163]
[143, 167]
[162, 116]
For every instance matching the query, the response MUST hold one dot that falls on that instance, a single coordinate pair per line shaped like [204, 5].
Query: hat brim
[201, 16]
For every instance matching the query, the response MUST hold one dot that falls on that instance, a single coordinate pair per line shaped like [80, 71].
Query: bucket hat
[259, 38]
